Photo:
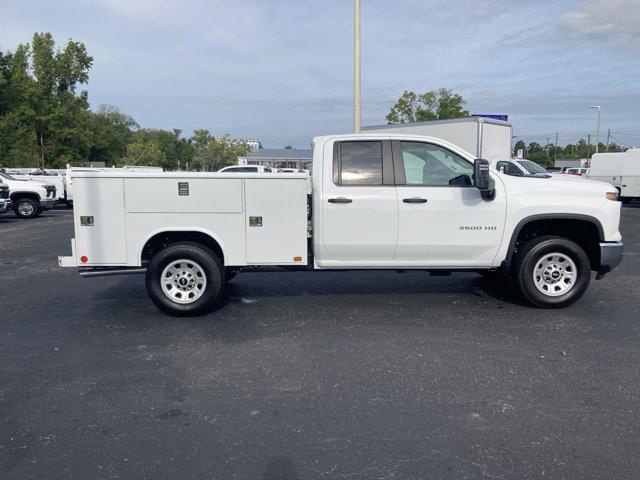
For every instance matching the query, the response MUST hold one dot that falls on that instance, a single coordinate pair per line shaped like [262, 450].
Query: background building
[279, 158]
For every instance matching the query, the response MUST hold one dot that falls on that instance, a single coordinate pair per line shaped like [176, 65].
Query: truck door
[359, 204]
[443, 220]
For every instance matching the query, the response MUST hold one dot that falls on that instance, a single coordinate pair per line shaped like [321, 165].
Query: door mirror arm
[482, 179]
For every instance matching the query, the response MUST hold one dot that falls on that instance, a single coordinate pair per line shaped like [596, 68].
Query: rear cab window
[358, 163]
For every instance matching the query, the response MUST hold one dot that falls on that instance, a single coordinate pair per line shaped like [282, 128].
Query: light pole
[598, 128]
[356, 66]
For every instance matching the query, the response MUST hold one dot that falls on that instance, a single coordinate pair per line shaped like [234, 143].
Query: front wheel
[26, 208]
[552, 272]
[185, 279]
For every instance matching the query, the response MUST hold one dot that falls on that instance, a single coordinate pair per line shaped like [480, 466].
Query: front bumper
[47, 203]
[610, 257]
[5, 206]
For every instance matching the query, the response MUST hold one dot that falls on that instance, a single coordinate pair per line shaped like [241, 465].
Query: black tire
[26, 208]
[230, 274]
[212, 270]
[532, 254]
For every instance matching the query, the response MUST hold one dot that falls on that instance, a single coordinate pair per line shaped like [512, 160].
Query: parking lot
[312, 375]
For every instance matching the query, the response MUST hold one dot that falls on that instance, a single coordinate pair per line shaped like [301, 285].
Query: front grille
[4, 193]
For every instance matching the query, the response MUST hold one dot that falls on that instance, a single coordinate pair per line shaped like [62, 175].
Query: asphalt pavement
[355, 375]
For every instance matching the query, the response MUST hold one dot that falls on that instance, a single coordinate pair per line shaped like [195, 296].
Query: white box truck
[379, 201]
[481, 137]
[621, 169]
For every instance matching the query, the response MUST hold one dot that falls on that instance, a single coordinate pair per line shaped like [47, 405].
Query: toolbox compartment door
[100, 235]
[183, 195]
[276, 221]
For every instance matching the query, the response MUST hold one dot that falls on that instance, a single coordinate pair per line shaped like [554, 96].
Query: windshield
[6, 175]
[532, 167]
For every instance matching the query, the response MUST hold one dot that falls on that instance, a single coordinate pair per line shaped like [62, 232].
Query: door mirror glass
[482, 179]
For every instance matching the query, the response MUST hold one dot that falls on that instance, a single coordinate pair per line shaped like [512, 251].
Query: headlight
[613, 196]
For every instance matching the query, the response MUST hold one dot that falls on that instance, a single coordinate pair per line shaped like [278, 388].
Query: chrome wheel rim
[25, 208]
[183, 281]
[555, 274]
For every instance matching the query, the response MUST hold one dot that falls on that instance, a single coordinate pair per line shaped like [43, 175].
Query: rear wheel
[552, 272]
[185, 279]
[26, 208]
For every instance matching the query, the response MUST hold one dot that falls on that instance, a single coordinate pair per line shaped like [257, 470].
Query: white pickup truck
[5, 201]
[378, 202]
[29, 197]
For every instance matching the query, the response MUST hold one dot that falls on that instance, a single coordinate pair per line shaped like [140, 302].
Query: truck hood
[559, 182]
[28, 183]
[39, 182]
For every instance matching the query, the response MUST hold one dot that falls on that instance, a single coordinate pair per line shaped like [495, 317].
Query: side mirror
[482, 179]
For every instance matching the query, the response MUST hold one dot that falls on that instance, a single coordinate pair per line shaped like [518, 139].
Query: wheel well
[581, 231]
[17, 195]
[164, 239]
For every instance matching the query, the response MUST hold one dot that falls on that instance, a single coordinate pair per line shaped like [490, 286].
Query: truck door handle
[340, 200]
[415, 200]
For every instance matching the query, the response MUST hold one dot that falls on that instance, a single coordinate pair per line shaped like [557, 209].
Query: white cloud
[615, 21]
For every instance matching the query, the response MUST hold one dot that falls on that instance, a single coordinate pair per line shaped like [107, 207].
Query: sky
[282, 71]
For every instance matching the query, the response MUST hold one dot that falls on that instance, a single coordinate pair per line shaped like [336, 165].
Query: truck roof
[392, 136]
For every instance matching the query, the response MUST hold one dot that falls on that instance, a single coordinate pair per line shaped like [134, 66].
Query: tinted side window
[428, 164]
[360, 163]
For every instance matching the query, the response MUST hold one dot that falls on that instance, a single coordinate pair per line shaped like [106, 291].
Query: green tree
[144, 152]
[43, 116]
[183, 148]
[534, 147]
[439, 104]
[111, 131]
[45, 119]
[212, 154]
[288, 147]
[520, 145]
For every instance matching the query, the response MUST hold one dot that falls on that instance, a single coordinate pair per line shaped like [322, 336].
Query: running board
[103, 272]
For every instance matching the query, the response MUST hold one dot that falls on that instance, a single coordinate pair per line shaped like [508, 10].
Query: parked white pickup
[5, 202]
[378, 202]
[29, 197]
